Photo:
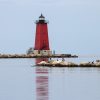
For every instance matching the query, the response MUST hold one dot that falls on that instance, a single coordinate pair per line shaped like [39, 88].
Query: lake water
[21, 80]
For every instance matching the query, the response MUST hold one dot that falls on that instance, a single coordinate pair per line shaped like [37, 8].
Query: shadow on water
[41, 81]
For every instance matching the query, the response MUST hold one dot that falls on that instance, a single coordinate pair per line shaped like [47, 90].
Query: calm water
[20, 80]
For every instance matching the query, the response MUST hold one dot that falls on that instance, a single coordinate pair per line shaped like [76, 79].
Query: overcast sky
[74, 25]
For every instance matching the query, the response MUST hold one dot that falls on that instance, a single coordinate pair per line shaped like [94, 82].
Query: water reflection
[37, 60]
[41, 82]
[67, 83]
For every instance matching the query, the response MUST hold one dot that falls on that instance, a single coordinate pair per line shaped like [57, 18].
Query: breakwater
[54, 63]
[37, 56]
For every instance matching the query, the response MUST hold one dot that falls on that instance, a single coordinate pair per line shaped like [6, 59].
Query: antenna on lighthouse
[41, 19]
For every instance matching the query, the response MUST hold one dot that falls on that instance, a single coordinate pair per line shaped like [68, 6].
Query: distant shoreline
[37, 56]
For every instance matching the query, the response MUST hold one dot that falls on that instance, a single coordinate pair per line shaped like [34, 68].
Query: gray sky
[73, 25]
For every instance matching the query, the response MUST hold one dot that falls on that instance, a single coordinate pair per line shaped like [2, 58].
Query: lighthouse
[41, 37]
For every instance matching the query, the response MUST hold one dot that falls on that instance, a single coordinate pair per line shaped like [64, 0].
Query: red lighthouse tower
[41, 38]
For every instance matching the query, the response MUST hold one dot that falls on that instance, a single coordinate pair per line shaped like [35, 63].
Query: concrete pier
[37, 56]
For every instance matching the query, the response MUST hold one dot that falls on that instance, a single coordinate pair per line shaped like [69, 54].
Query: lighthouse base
[42, 52]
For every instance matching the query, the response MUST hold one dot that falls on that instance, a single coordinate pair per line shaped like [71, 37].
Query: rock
[43, 62]
[87, 64]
